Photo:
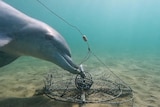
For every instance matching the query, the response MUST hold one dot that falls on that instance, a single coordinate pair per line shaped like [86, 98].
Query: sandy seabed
[20, 79]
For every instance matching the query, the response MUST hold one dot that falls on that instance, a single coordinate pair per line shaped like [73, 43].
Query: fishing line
[75, 27]
[84, 38]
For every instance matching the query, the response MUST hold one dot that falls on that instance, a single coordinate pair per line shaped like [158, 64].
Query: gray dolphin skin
[21, 35]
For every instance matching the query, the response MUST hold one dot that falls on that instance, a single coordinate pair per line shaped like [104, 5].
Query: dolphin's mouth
[69, 65]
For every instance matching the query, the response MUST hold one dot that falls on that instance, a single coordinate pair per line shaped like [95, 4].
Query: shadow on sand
[37, 101]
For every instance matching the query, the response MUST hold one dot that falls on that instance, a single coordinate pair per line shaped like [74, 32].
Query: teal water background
[112, 26]
[125, 34]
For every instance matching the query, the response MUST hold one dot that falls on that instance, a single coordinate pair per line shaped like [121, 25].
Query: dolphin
[21, 35]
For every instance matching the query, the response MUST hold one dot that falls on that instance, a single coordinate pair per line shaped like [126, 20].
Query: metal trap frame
[96, 88]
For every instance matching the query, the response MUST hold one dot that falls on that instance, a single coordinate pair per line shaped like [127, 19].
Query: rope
[75, 27]
[86, 57]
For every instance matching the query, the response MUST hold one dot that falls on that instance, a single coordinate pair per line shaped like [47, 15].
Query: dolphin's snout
[72, 67]
[69, 65]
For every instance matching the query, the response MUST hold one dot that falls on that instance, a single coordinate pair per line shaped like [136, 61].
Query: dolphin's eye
[48, 37]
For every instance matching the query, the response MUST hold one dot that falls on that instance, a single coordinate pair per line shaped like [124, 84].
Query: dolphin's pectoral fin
[4, 40]
[6, 58]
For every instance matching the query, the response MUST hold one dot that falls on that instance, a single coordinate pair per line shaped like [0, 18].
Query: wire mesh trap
[94, 88]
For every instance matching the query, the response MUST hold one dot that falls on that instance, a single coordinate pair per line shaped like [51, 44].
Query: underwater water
[124, 34]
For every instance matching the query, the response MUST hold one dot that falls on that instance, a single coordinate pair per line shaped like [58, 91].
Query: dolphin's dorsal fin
[6, 58]
[4, 40]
